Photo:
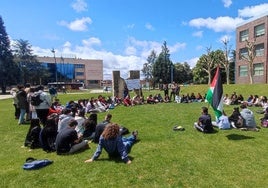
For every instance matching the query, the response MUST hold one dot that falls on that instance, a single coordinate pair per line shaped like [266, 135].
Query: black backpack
[35, 99]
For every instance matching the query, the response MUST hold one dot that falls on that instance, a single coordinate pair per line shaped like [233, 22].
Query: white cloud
[225, 38]
[91, 42]
[136, 51]
[79, 6]
[227, 3]
[220, 24]
[130, 26]
[192, 62]
[67, 44]
[226, 23]
[130, 50]
[198, 34]
[176, 47]
[149, 27]
[199, 47]
[253, 11]
[78, 24]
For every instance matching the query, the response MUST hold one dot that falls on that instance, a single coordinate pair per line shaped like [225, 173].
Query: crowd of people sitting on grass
[242, 119]
[251, 100]
[66, 129]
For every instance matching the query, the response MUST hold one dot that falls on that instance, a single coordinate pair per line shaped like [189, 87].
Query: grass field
[162, 157]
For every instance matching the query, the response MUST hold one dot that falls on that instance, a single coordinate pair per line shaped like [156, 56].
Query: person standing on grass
[114, 144]
[42, 109]
[173, 91]
[204, 123]
[22, 103]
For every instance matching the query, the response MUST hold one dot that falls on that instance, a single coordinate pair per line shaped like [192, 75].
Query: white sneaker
[233, 125]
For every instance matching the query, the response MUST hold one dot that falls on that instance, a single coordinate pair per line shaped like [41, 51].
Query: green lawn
[162, 157]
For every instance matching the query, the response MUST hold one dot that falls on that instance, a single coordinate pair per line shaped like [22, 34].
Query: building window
[259, 30]
[243, 35]
[259, 49]
[79, 66]
[258, 69]
[243, 52]
[79, 74]
[243, 71]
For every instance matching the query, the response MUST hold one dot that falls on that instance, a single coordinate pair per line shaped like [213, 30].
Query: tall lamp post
[56, 74]
[171, 73]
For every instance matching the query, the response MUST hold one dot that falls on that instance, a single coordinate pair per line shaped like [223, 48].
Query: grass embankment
[162, 158]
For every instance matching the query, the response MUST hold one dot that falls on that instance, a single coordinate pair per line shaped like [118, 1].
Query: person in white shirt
[223, 122]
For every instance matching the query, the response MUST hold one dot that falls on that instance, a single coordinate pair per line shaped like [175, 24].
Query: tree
[7, 66]
[182, 73]
[206, 64]
[148, 67]
[163, 66]
[249, 58]
[31, 70]
[200, 75]
[226, 62]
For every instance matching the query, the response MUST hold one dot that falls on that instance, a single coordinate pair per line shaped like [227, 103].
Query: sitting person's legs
[79, 147]
[198, 127]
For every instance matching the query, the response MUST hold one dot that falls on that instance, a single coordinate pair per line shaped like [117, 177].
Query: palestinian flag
[215, 94]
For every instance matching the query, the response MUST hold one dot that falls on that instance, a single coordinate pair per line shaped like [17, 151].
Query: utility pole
[56, 74]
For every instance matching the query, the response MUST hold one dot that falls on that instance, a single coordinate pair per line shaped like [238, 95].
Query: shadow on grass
[238, 137]
[114, 159]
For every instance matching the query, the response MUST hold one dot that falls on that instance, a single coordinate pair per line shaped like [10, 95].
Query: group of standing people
[24, 110]
[175, 90]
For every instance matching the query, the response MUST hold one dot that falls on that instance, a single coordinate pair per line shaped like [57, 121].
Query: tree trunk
[250, 72]
[3, 88]
[227, 76]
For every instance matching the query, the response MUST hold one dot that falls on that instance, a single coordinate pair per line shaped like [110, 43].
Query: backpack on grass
[34, 164]
[35, 99]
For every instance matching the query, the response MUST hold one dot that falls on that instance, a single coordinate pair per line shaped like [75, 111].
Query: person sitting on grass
[127, 101]
[114, 144]
[101, 126]
[249, 119]
[68, 142]
[236, 119]
[264, 119]
[204, 123]
[150, 99]
[222, 122]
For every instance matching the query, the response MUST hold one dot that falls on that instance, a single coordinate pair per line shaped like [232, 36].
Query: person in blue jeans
[114, 144]
[21, 96]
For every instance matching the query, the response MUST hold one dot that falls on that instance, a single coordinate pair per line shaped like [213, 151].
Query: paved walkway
[8, 96]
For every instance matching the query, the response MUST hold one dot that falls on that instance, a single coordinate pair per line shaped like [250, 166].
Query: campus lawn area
[162, 157]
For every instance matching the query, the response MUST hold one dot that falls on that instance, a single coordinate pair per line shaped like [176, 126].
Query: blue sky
[124, 32]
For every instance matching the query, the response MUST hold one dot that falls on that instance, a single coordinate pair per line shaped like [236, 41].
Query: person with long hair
[114, 144]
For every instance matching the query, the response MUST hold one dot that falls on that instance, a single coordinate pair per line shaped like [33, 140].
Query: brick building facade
[255, 31]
